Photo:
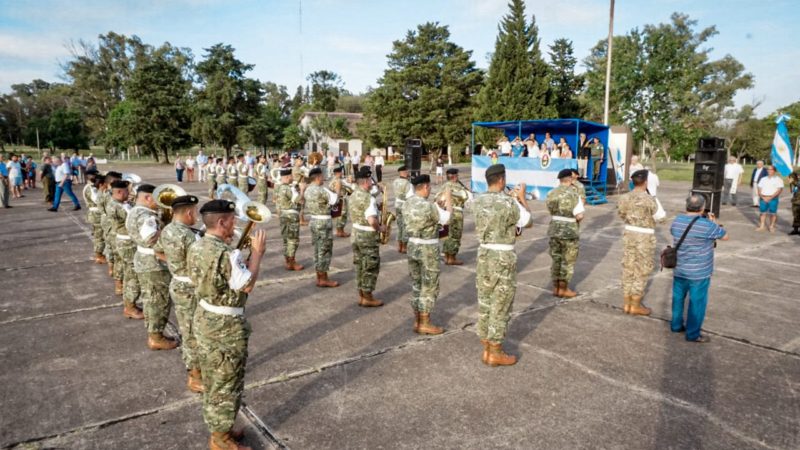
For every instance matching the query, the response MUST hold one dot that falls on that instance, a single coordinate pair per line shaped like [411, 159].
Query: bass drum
[337, 209]
[251, 184]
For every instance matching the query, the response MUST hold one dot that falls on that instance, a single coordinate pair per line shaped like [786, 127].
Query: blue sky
[352, 38]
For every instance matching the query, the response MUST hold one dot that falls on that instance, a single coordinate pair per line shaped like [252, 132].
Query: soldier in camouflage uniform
[232, 172]
[578, 186]
[318, 201]
[211, 177]
[288, 199]
[242, 169]
[261, 179]
[222, 282]
[144, 227]
[566, 208]
[422, 225]
[341, 221]
[365, 240]
[499, 218]
[402, 190]
[460, 195]
[176, 239]
[639, 211]
[91, 193]
[125, 249]
[794, 188]
[221, 176]
[298, 179]
[105, 225]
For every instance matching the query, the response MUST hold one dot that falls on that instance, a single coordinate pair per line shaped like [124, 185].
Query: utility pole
[608, 61]
[38, 147]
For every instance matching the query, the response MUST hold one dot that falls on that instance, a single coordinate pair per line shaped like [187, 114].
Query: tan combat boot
[626, 305]
[99, 258]
[485, 355]
[451, 260]
[323, 281]
[416, 321]
[118, 287]
[195, 381]
[132, 312]
[110, 268]
[224, 441]
[368, 301]
[426, 327]
[291, 264]
[556, 288]
[341, 233]
[403, 247]
[157, 341]
[564, 291]
[497, 357]
[636, 307]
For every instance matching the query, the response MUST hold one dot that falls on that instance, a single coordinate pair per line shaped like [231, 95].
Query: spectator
[549, 143]
[48, 179]
[30, 173]
[201, 162]
[439, 170]
[379, 167]
[759, 172]
[566, 152]
[91, 164]
[733, 176]
[583, 155]
[4, 182]
[516, 147]
[15, 176]
[532, 146]
[63, 178]
[652, 182]
[692, 274]
[190, 163]
[179, 168]
[769, 190]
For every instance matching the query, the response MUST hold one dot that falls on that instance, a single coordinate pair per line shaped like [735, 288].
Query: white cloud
[30, 47]
[9, 77]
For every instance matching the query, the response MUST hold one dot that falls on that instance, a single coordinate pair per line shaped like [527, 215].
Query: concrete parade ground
[325, 373]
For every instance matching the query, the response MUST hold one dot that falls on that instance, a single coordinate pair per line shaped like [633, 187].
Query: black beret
[114, 174]
[145, 188]
[315, 171]
[100, 178]
[402, 168]
[185, 200]
[364, 172]
[286, 171]
[92, 171]
[337, 169]
[564, 173]
[452, 171]
[496, 169]
[420, 179]
[218, 206]
[119, 184]
[640, 174]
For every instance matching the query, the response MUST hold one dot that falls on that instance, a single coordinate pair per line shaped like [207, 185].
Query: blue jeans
[61, 190]
[698, 299]
[179, 174]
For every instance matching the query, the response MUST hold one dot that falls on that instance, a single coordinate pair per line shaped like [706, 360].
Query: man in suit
[758, 173]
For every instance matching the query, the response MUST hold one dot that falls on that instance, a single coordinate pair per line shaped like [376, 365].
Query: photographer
[692, 275]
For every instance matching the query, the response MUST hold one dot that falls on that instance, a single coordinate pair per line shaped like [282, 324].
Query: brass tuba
[246, 210]
[133, 181]
[387, 218]
[164, 195]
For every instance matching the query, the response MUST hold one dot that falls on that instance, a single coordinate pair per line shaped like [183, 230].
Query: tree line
[127, 95]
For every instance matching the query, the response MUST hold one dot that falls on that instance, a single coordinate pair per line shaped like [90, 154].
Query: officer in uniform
[222, 280]
[288, 199]
[231, 172]
[566, 210]
[363, 211]
[422, 221]
[297, 179]
[460, 196]
[144, 228]
[794, 188]
[499, 219]
[91, 192]
[577, 185]
[341, 221]
[176, 239]
[639, 210]
[242, 169]
[261, 179]
[402, 190]
[598, 154]
[211, 177]
[318, 201]
[105, 224]
[125, 249]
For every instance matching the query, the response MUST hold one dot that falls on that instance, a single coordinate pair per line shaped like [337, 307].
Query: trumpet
[514, 192]
[387, 217]
[164, 195]
[246, 210]
[459, 198]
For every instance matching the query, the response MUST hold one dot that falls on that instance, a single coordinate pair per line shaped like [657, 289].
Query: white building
[354, 145]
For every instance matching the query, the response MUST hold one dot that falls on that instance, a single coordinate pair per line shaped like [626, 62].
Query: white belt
[399, 202]
[289, 211]
[224, 310]
[458, 208]
[94, 209]
[145, 250]
[243, 176]
[421, 241]
[123, 237]
[640, 229]
[564, 219]
[321, 217]
[498, 247]
[363, 227]
[182, 279]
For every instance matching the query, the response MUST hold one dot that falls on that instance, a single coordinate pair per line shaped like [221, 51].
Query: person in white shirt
[189, 162]
[379, 167]
[202, 162]
[769, 190]
[733, 176]
[505, 146]
[64, 184]
[652, 182]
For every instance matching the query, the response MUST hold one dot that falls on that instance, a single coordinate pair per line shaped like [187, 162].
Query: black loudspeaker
[413, 156]
[709, 171]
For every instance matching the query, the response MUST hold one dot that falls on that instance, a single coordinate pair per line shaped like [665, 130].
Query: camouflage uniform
[340, 221]
[794, 188]
[318, 205]
[580, 189]
[452, 243]
[176, 240]
[220, 177]
[94, 215]
[153, 273]
[366, 244]
[422, 224]
[232, 173]
[125, 250]
[496, 220]
[242, 169]
[401, 187]
[221, 338]
[211, 179]
[287, 200]
[261, 182]
[637, 209]
[109, 236]
[563, 232]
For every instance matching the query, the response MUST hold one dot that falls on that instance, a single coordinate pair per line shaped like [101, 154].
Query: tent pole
[472, 142]
[608, 61]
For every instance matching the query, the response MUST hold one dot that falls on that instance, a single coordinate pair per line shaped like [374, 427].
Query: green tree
[65, 130]
[121, 125]
[326, 87]
[565, 84]
[518, 83]
[266, 129]
[294, 137]
[351, 103]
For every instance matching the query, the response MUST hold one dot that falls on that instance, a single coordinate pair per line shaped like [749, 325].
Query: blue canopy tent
[570, 130]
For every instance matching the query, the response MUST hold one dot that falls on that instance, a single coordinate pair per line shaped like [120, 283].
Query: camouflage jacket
[496, 217]
[142, 220]
[261, 172]
[89, 196]
[102, 202]
[458, 193]
[637, 208]
[232, 173]
[176, 240]
[220, 174]
[283, 198]
[421, 218]
[400, 187]
[317, 200]
[297, 176]
[560, 202]
[117, 216]
[580, 189]
[210, 270]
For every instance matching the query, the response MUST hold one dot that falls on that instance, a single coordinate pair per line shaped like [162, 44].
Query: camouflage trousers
[496, 283]
[155, 299]
[185, 302]
[366, 258]
[637, 261]
[564, 253]
[109, 239]
[290, 233]
[98, 237]
[322, 239]
[796, 214]
[452, 244]
[243, 185]
[131, 288]
[402, 236]
[119, 263]
[212, 187]
[261, 186]
[341, 221]
[423, 265]
[222, 350]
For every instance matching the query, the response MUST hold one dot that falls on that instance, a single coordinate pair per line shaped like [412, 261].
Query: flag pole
[608, 61]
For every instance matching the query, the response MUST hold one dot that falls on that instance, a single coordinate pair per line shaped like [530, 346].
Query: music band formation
[164, 250]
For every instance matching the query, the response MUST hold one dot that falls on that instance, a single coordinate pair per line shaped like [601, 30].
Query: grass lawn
[683, 171]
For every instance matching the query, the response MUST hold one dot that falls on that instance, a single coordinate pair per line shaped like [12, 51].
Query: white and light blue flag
[782, 147]
[538, 180]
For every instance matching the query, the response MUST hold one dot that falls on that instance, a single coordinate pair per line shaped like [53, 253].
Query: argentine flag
[620, 166]
[782, 148]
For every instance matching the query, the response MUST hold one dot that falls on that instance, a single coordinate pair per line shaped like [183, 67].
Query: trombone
[246, 210]
[164, 195]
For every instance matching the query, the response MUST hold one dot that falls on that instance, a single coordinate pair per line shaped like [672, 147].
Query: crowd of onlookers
[19, 173]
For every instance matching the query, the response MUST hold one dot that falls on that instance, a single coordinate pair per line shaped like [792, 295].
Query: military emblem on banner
[545, 161]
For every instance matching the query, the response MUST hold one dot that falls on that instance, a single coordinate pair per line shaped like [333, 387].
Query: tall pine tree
[565, 83]
[518, 83]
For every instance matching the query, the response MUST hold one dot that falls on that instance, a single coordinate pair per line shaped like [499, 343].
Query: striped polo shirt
[696, 255]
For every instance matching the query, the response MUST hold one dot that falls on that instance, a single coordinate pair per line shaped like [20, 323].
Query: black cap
[402, 168]
[564, 173]
[92, 171]
[420, 179]
[337, 169]
[496, 169]
[145, 188]
[640, 174]
[100, 178]
[315, 171]
[185, 200]
[364, 172]
[452, 171]
[286, 171]
[114, 174]
[218, 206]
[119, 184]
